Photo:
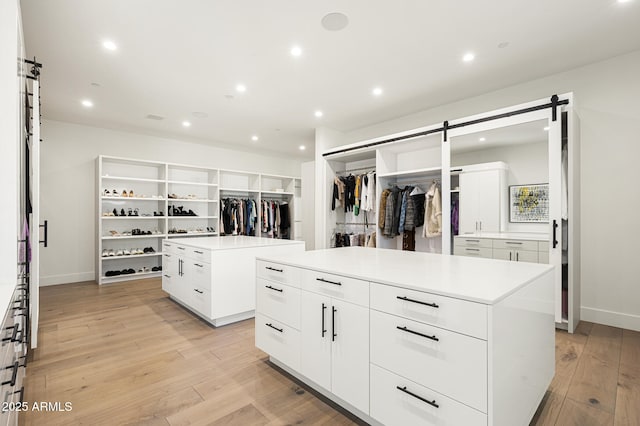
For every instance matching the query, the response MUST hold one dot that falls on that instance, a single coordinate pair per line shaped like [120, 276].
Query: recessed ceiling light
[87, 103]
[468, 57]
[335, 21]
[377, 91]
[296, 51]
[186, 124]
[254, 138]
[624, 1]
[241, 88]
[318, 113]
[302, 147]
[546, 129]
[109, 45]
[482, 139]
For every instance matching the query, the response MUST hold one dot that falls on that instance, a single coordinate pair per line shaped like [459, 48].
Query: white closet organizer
[165, 200]
[481, 185]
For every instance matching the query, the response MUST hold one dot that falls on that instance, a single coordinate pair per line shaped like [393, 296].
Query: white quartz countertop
[231, 242]
[480, 280]
[507, 236]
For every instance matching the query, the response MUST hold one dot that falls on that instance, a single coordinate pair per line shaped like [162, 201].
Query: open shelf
[191, 200]
[128, 277]
[189, 234]
[412, 173]
[131, 256]
[180, 182]
[277, 193]
[253, 191]
[192, 217]
[134, 198]
[132, 217]
[133, 237]
[132, 179]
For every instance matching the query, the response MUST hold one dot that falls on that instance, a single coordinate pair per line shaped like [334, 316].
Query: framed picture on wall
[529, 203]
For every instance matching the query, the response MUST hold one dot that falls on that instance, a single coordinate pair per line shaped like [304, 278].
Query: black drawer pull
[198, 265]
[14, 334]
[14, 375]
[168, 276]
[471, 249]
[328, 282]
[199, 252]
[418, 333]
[198, 291]
[167, 255]
[433, 305]
[472, 241]
[180, 248]
[404, 389]
[275, 328]
[24, 357]
[21, 392]
[273, 269]
[274, 289]
[513, 242]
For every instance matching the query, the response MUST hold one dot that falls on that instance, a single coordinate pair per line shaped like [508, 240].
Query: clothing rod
[351, 223]
[554, 103]
[356, 170]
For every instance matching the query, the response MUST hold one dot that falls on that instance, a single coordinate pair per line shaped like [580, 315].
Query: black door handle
[328, 282]
[46, 233]
[555, 229]
[324, 307]
[404, 389]
[434, 338]
[273, 269]
[433, 305]
[333, 323]
[274, 289]
[275, 328]
[14, 375]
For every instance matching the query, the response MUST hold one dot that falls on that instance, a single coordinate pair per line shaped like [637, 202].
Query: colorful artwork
[529, 203]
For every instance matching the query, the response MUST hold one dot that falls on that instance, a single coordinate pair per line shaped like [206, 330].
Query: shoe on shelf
[115, 212]
[114, 233]
[105, 253]
[130, 212]
[124, 193]
[122, 212]
[115, 193]
[119, 252]
[131, 193]
[112, 252]
[136, 212]
[106, 193]
[126, 252]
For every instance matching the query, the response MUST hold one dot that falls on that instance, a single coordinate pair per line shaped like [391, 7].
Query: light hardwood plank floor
[126, 354]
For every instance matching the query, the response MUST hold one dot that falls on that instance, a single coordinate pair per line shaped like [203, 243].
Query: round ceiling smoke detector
[335, 21]
[200, 114]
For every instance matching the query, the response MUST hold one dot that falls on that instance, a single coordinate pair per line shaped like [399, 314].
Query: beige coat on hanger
[433, 213]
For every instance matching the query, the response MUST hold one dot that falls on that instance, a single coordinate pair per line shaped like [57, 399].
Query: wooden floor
[126, 354]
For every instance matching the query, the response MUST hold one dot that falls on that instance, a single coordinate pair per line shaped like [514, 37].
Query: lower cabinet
[334, 349]
[187, 280]
[533, 251]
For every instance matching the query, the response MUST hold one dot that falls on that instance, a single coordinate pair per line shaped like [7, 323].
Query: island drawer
[279, 301]
[199, 254]
[336, 286]
[450, 363]
[278, 340]
[278, 272]
[473, 251]
[471, 242]
[457, 315]
[527, 245]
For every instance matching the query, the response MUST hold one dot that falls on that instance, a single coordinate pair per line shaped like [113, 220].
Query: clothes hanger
[417, 191]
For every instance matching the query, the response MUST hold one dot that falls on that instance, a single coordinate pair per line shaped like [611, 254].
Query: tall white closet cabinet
[478, 190]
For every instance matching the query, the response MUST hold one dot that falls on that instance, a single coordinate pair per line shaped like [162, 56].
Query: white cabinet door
[526, 256]
[170, 273]
[315, 338]
[480, 201]
[350, 353]
[503, 254]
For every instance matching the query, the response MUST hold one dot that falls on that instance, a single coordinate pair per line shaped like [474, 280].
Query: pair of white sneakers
[121, 252]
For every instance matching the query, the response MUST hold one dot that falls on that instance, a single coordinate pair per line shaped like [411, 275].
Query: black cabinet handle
[46, 233]
[513, 242]
[24, 357]
[197, 251]
[198, 291]
[275, 328]
[21, 392]
[473, 241]
[273, 269]
[168, 276]
[167, 255]
[333, 323]
[180, 248]
[433, 305]
[404, 389]
[14, 375]
[274, 289]
[418, 333]
[328, 282]
[555, 229]
[14, 334]
[510, 255]
[517, 256]
[324, 307]
[198, 265]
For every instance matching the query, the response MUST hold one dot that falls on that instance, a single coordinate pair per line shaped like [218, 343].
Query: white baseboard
[67, 278]
[614, 319]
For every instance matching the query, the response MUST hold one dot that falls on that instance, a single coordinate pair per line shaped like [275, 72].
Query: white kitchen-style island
[214, 277]
[405, 338]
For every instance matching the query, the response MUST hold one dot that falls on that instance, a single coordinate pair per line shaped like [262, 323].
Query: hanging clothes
[388, 214]
[433, 213]
[409, 240]
[356, 206]
[454, 217]
[418, 205]
[364, 190]
[338, 192]
[382, 216]
[349, 193]
[371, 191]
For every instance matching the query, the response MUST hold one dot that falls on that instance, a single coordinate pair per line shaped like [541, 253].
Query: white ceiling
[178, 57]
[519, 134]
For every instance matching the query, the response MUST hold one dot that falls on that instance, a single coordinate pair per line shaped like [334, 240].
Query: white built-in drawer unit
[279, 301]
[473, 251]
[396, 401]
[451, 363]
[502, 248]
[278, 339]
[453, 314]
[278, 273]
[340, 287]
[464, 241]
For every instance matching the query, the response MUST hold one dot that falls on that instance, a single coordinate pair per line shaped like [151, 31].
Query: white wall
[9, 139]
[69, 153]
[308, 174]
[607, 101]
[528, 164]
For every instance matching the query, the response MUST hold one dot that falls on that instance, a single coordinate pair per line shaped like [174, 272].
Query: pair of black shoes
[123, 272]
[179, 211]
[156, 268]
[137, 231]
[210, 229]
[149, 250]
[158, 214]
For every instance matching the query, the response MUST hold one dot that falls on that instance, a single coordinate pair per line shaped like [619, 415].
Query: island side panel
[521, 352]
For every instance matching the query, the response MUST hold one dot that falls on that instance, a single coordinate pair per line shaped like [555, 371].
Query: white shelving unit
[160, 192]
